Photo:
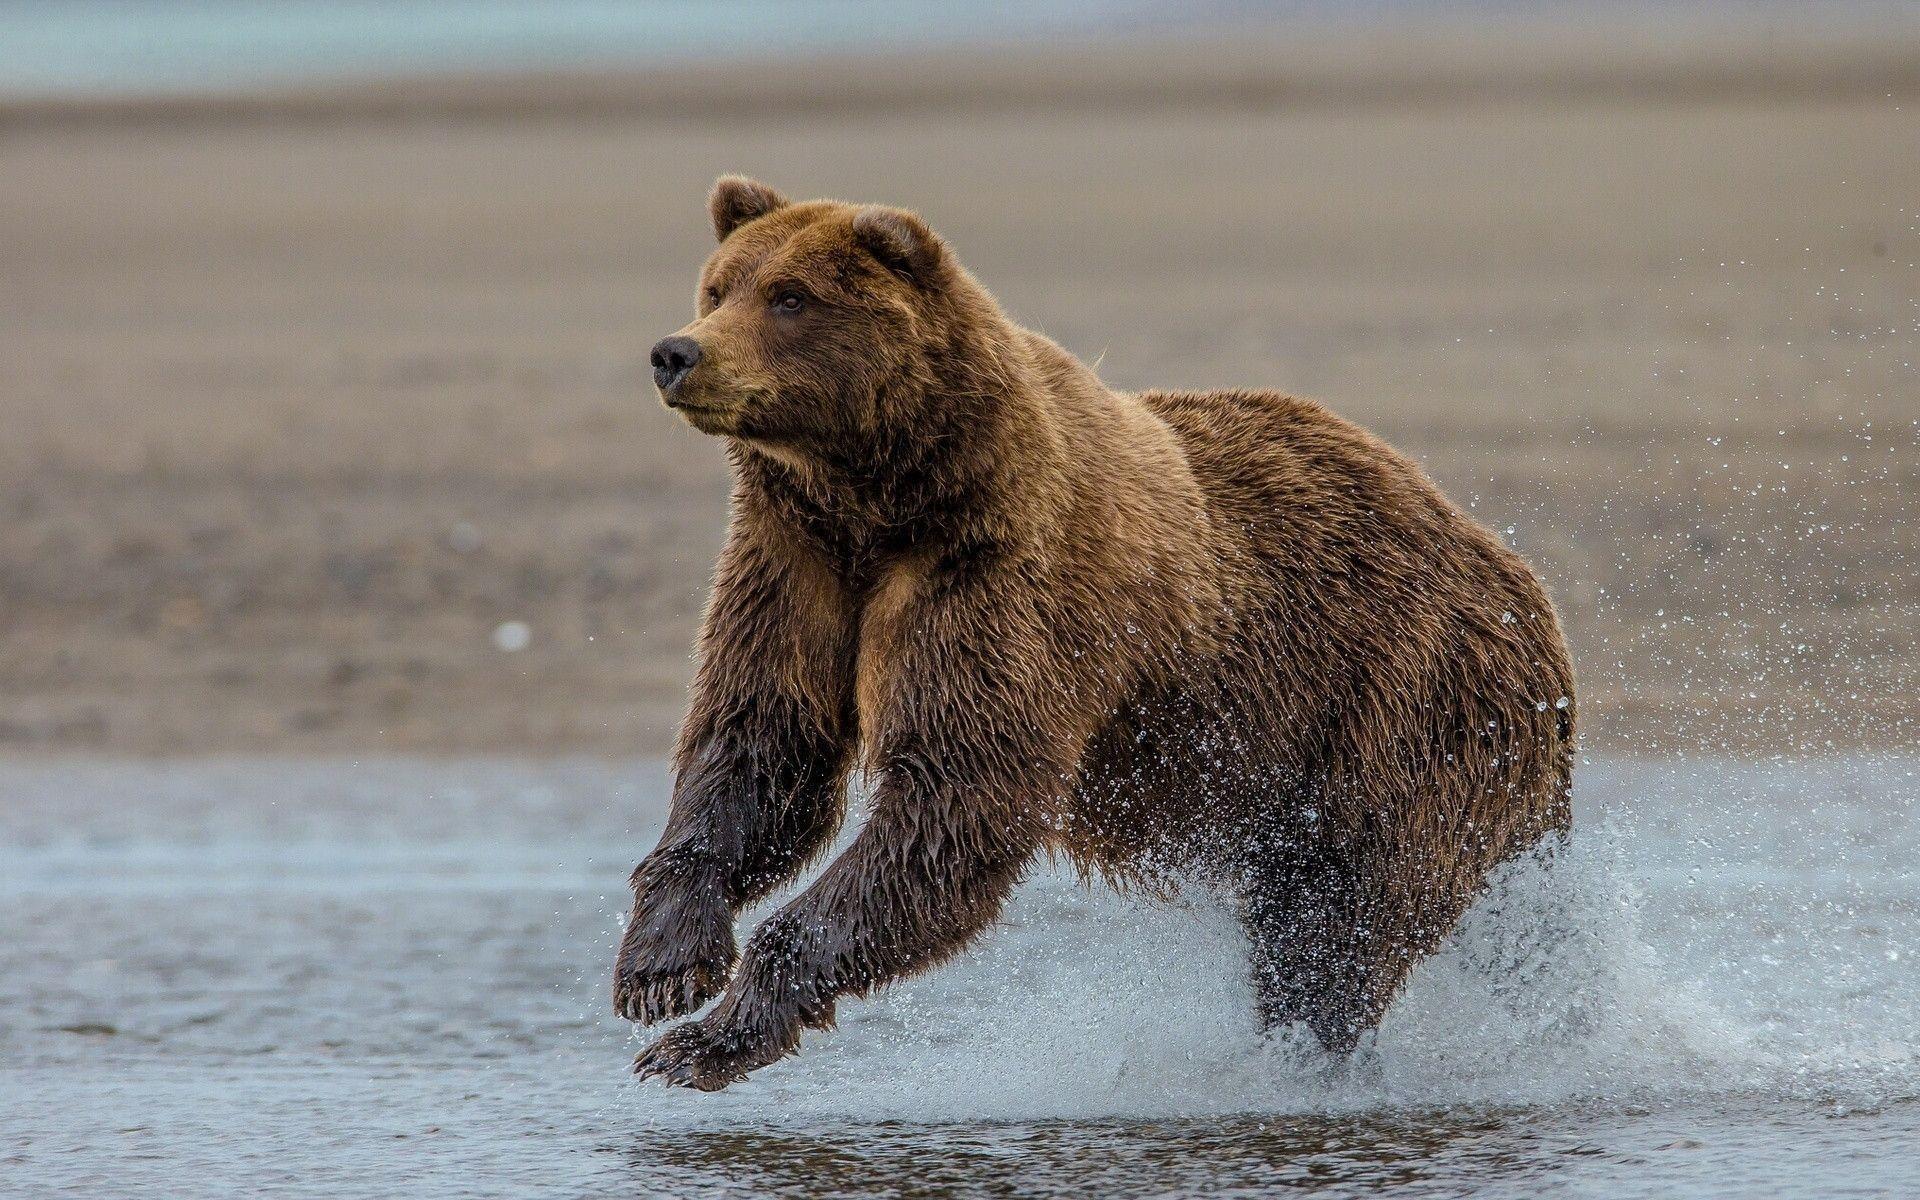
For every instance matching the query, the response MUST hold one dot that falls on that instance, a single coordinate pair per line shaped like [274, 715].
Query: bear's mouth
[707, 418]
[684, 406]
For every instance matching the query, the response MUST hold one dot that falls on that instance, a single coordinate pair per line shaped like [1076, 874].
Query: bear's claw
[693, 1056]
[651, 998]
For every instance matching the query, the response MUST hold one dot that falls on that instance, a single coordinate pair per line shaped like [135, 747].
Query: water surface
[389, 979]
[147, 46]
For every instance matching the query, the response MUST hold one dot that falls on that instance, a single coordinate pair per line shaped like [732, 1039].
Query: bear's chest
[888, 618]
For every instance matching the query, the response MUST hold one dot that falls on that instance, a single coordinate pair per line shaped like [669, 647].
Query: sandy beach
[305, 394]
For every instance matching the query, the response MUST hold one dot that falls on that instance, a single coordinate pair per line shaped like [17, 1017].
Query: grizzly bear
[1217, 639]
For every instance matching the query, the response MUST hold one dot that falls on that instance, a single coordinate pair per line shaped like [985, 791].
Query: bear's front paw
[708, 1055]
[673, 959]
[651, 993]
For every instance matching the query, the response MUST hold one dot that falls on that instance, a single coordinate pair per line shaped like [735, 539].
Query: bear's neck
[981, 466]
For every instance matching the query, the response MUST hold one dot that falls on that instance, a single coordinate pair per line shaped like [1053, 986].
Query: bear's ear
[735, 200]
[899, 239]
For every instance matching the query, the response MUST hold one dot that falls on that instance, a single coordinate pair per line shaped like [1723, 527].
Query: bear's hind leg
[1310, 959]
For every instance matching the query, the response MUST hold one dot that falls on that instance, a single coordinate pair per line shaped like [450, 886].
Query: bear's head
[818, 323]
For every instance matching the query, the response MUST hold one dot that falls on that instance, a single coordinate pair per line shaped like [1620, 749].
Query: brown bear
[1225, 639]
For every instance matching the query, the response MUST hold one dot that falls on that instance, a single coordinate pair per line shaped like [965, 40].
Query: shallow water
[390, 979]
[111, 46]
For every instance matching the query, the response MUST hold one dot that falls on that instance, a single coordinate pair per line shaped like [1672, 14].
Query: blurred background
[325, 419]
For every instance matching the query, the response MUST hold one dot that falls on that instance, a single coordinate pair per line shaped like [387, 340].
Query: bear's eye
[713, 297]
[789, 302]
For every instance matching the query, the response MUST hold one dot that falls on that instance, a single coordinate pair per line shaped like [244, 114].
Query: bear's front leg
[759, 772]
[930, 870]
[741, 824]
[679, 949]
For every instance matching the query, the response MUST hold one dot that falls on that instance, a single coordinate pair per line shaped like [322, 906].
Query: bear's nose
[672, 358]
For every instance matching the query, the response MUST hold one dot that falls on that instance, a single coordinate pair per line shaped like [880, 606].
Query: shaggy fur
[1224, 638]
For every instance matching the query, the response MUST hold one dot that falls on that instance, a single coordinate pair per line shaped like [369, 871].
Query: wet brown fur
[1223, 638]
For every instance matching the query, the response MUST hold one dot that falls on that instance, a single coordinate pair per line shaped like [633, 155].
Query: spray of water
[1591, 975]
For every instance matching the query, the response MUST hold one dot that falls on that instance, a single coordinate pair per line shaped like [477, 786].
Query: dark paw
[650, 996]
[671, 964]
[706, 1056]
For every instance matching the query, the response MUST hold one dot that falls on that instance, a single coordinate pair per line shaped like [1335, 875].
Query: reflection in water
[1191, 1157]
[1598, 1150]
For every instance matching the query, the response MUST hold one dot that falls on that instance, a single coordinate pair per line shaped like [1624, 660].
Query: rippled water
[389, 979]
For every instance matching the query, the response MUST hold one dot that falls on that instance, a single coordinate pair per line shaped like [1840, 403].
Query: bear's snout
[673, 359]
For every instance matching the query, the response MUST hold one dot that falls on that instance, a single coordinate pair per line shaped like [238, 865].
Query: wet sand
[304, 396]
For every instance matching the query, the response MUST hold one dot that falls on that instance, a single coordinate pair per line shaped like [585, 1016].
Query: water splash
[1619, 971]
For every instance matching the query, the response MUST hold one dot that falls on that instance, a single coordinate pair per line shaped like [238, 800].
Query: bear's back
[1260, 454]
[1347, 545]
[1325, 499]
